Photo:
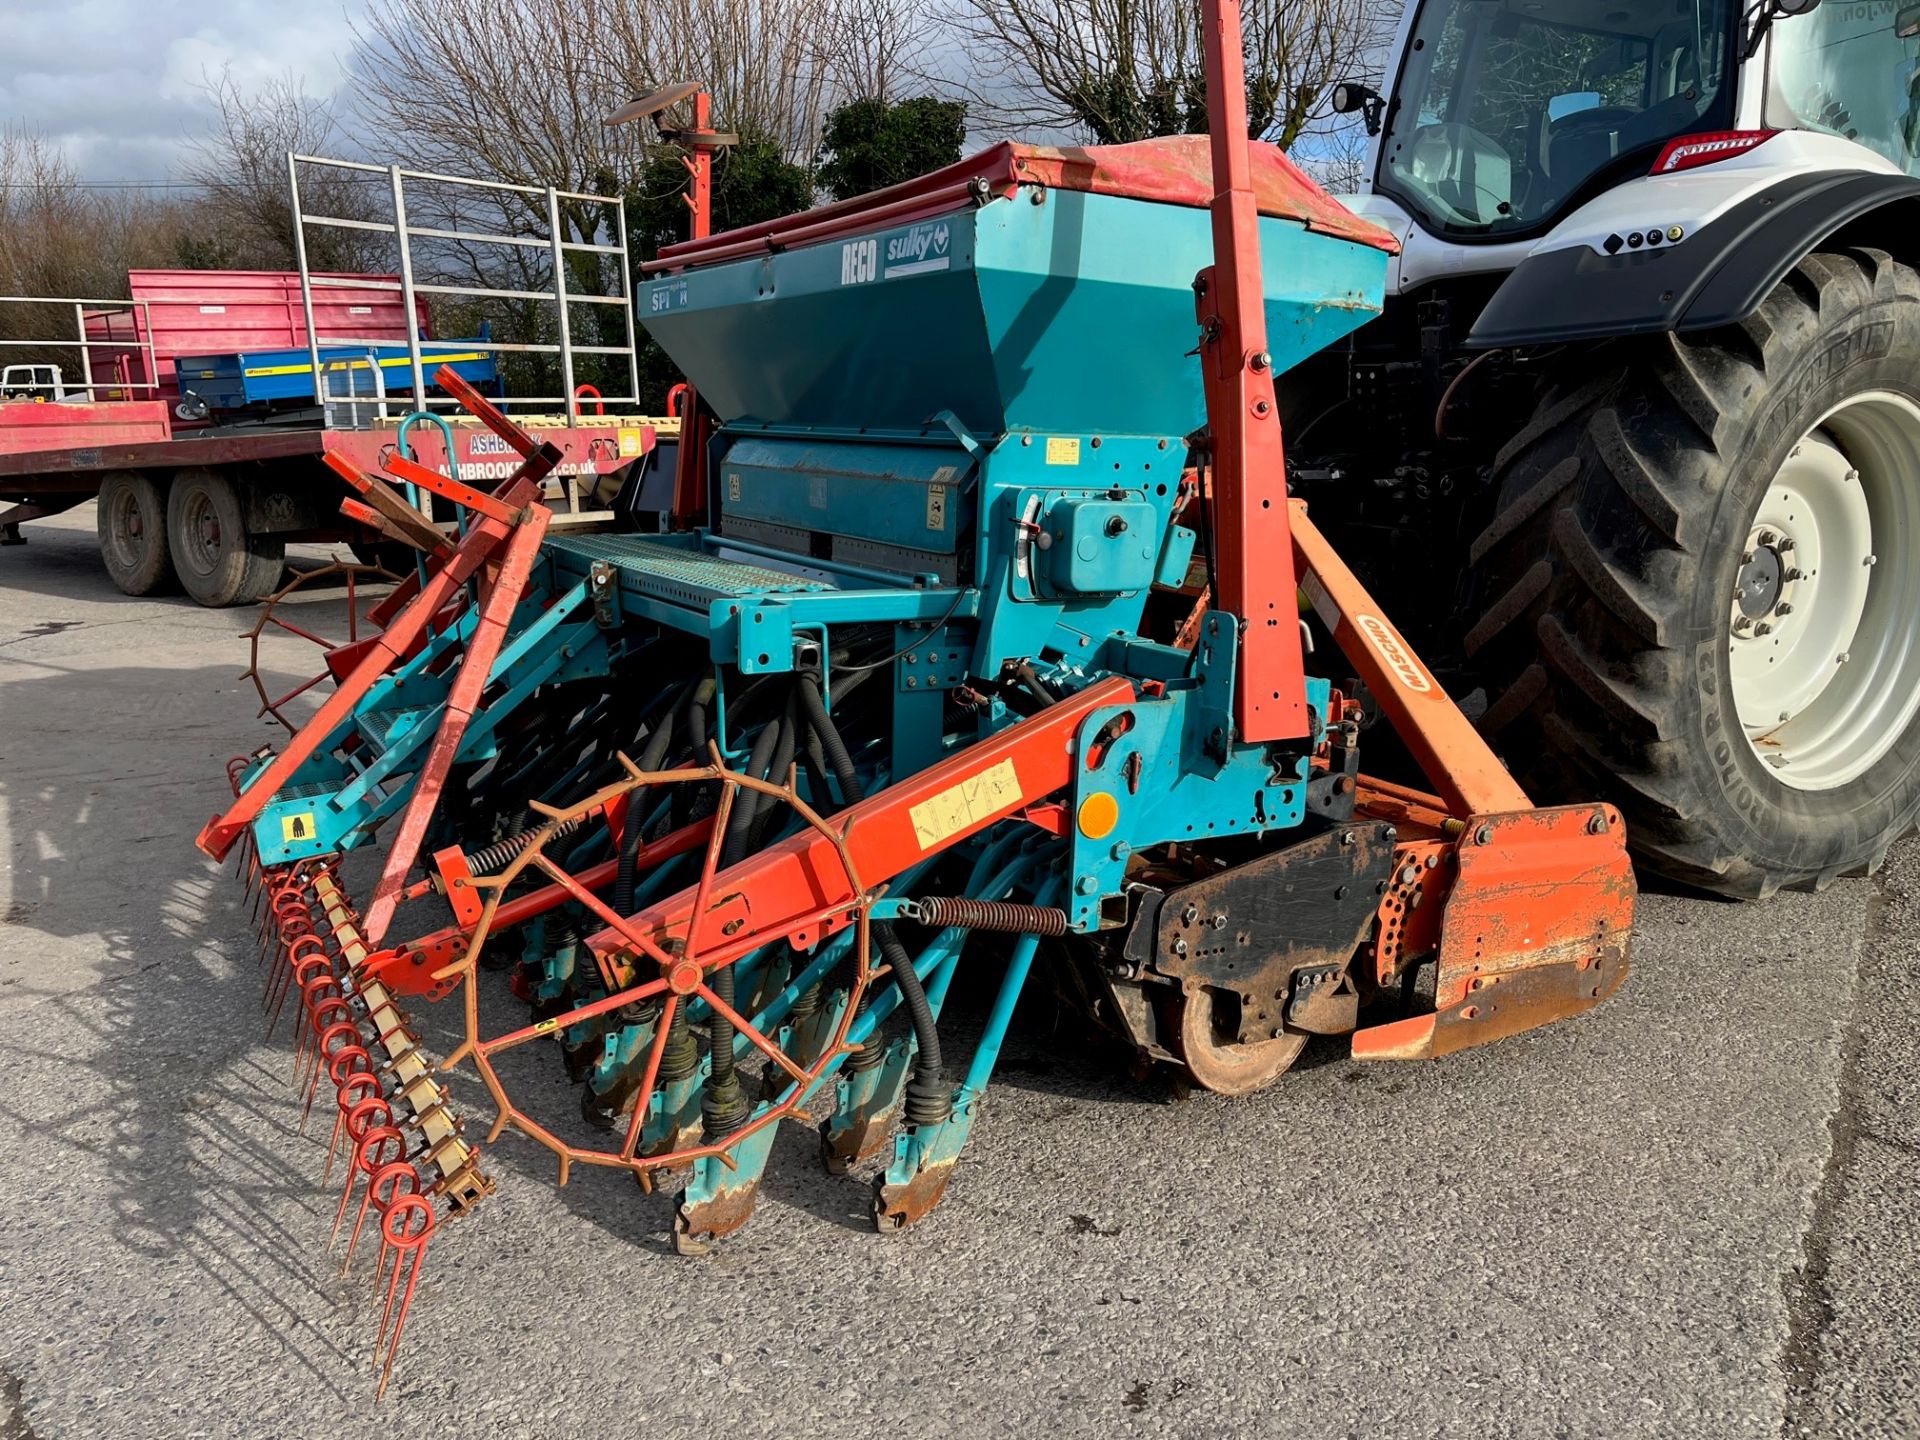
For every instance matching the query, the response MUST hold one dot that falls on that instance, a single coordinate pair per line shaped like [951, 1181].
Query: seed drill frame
[733, 802]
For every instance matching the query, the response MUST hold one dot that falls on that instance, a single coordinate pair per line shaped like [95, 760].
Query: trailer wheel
[1700, 595]
[216, 558]
[131, 520]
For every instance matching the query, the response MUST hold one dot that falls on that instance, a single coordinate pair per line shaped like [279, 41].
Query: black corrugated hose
[725, 1106]
[697, 743]
[651, 758]
[928, 1101]
[783, 748]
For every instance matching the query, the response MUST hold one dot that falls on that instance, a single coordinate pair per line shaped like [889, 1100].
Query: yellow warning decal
[541, 1027]
[296, 827]
[1063, 449]
[974, 801]
[632, 442]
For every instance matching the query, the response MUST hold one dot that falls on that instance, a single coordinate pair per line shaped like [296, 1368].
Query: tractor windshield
[1507, 110]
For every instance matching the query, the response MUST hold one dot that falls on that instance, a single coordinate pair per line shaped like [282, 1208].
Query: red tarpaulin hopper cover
[1175, 170]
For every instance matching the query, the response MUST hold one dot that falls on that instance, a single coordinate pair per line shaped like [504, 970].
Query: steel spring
[724, 1107]
[873, 1050]
[806, 1004]
[940, 911]
[495, 857]
[680, 1057]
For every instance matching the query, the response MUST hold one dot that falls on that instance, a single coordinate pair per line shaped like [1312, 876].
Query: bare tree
[771, 64]
[43, 215]
[1119, 70]
[520, 89]
[242, 167]
[878, 48]
[1337, 157]
[58, 237]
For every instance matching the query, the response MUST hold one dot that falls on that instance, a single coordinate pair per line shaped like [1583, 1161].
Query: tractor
[1633, 449]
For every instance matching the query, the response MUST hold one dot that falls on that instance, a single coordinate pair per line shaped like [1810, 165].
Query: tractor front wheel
[1699, 597]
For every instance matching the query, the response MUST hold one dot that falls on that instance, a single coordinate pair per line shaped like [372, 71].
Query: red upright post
[700, 192]
[463, 699]
[1248, 506]
[689, 471]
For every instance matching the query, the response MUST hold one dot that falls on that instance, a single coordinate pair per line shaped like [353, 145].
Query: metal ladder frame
[409, 287]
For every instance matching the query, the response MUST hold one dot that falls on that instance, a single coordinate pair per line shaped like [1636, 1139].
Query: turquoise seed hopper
[986, 378]
[1057, 306]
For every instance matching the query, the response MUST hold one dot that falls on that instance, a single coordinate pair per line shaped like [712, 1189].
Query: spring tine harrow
[405, 1146]
[353, 1089]
[406, 1226]
[379, 1148]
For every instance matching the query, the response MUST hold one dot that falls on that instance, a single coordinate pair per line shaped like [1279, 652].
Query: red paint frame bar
[794, 881]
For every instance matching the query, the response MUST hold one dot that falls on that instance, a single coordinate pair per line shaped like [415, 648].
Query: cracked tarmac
[1690, 1213]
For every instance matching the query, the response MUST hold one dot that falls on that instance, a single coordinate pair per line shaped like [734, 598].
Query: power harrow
[995, 628]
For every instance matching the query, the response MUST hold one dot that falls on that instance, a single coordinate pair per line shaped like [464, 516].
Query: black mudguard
[1716, 276]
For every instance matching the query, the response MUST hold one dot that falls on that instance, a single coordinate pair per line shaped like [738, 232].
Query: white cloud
[118, 82]
[311, 47]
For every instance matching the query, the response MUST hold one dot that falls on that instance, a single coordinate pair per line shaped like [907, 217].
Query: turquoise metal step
[677, 572]
[306, 792]
[382, 728]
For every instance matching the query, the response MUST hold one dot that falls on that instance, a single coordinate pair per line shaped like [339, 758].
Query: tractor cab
[1506, 115]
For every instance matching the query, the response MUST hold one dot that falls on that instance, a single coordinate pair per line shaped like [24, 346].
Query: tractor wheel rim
[1824, 621]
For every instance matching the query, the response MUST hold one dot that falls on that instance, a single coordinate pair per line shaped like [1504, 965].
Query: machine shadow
[189, 1124]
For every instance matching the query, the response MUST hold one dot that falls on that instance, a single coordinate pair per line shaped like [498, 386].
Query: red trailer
[214, 312]
[213, 500]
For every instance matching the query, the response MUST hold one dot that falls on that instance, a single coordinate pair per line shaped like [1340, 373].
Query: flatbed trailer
[212, 497]
[217, 507]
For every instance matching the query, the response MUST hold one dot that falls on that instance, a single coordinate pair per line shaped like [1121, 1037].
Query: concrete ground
[1690, 1213]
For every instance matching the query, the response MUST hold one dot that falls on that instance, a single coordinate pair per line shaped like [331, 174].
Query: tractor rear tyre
[1699, 596]
[131, 519]
[218, 561]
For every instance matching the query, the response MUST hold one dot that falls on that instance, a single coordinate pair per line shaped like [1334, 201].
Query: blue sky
[117, 82]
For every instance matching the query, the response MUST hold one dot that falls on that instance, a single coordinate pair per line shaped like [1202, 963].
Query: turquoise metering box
[1101, 546]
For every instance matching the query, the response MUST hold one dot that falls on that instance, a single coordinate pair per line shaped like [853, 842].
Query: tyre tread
[1585, 570]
